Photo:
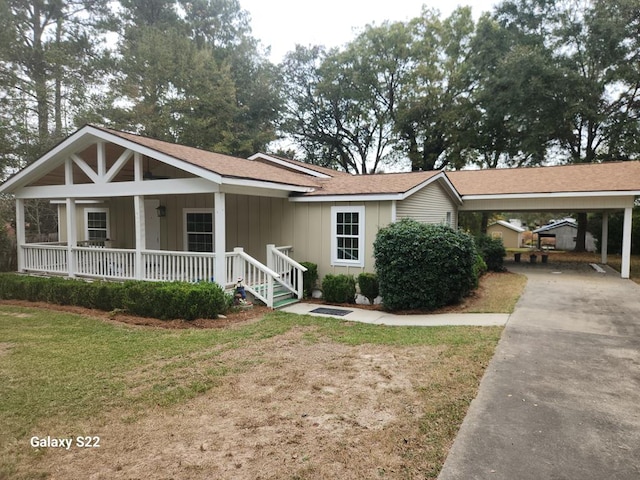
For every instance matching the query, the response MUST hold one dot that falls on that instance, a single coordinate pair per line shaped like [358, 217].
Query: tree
[434, 102]
[341, 103]
[47, 63]
[193, 75]
[581, 102]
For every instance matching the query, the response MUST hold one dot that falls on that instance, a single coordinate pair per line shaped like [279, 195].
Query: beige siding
[510, 238]
[429, 205]
[311, 233]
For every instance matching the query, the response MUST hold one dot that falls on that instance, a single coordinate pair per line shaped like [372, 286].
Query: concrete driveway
[561, 397]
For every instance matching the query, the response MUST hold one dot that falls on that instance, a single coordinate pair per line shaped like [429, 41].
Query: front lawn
[285, 397]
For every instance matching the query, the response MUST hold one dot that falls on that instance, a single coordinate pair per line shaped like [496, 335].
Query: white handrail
[290, 271]
[257, 278]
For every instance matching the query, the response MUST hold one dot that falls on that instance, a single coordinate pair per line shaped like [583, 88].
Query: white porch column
[20, 232]
[625, 270]
[220, 242]
[138, 213]
[604, 243]
[72, 235]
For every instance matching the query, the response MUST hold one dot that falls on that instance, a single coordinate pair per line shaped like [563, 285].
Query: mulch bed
[232, 318]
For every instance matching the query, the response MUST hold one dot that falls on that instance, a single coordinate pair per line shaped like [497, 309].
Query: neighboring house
[132, 207]
[510, 234]
[564, 233]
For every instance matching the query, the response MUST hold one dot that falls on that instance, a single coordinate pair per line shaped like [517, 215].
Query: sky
[281, 24]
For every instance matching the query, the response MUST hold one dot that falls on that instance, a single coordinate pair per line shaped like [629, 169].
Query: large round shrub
[422, 266]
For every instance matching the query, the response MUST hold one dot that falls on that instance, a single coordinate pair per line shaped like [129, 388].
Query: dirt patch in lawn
[294, 407]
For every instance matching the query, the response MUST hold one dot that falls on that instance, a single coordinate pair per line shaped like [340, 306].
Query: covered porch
[128, 211]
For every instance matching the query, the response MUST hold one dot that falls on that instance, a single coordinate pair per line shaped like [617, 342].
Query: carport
[604, 187]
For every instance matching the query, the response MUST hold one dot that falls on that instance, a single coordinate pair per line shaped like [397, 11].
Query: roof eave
[609, 193]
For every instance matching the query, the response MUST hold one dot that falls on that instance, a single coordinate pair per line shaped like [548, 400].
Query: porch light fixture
[161, 211]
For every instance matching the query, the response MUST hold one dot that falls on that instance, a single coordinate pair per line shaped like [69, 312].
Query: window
[347, 239]
[97, 224]
[198, 230]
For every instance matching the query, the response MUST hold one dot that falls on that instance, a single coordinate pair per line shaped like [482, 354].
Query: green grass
[62, 369]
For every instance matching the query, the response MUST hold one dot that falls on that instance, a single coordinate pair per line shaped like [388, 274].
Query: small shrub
[369, 287]
[309, 278]
[479, 268]
[339, 288]
[423, 266]
[492, 251]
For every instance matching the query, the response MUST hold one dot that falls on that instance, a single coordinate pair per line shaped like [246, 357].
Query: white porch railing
[112, 263]
[290, 272]
[45, 258]
[168, 266]
[162, 265]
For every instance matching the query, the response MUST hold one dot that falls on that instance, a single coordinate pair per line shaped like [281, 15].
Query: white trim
[508, 225]
[121, 189]
[78, 202]
[394, 211]
[246, 182]
[118, 165]
[185, 234]
[84, 166]
[335, 261]
[286, 164]
[347, 198]
[440, 176]
[89, 210]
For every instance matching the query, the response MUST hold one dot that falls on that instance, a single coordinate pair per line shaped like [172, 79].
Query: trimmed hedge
[163, 300]
[309, 278]
[422, 266]
[339, 288]
[369, 286]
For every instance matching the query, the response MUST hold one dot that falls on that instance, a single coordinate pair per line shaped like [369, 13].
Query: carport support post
[604, 243]
[625, 270]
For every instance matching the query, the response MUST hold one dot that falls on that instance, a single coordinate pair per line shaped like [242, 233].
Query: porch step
[281, 296]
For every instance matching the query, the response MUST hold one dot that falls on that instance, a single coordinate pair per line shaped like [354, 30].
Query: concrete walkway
[561, 397]
[377, 317]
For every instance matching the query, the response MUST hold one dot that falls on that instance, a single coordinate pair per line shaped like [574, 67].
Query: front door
[152, 224]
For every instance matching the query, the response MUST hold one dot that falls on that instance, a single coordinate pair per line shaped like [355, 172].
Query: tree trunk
[484, 223]
[581, 236]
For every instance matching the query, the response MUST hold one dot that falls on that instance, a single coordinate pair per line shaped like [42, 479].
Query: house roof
[296, 165]
[383, 183]
[600, 177]
[567, 222]
[508, 225]
[307, 182]
[224, 165]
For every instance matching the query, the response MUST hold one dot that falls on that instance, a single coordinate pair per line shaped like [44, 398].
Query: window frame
[185, 240]
[107, 230]
[341, 262]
